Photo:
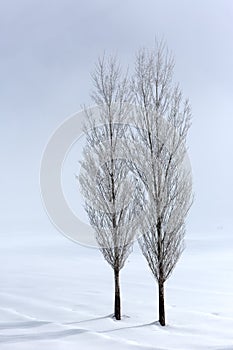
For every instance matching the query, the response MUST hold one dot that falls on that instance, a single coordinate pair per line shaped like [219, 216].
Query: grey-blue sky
[48, 49]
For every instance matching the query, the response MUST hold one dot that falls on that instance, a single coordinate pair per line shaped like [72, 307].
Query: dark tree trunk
[161, 304]
[117, 308]
[161, 276]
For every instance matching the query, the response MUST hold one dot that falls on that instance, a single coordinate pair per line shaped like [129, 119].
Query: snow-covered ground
[57, 295]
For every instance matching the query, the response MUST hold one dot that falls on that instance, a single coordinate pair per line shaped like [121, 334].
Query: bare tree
[113, 199]
[162, 120]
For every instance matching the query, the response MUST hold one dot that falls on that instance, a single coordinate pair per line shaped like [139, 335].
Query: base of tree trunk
[117, 307]
[161, 305]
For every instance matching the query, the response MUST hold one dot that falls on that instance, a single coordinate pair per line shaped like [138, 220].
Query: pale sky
[48, 49]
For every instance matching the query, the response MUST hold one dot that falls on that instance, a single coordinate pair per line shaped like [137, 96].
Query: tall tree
[162, 120]
[112, 197]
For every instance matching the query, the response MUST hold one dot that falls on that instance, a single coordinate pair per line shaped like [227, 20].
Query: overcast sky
[48, 49]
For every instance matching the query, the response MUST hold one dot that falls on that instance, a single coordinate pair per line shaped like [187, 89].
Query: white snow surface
[58, 295]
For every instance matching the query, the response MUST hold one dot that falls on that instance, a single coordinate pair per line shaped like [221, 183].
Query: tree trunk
[117, 309]
[161, 304]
